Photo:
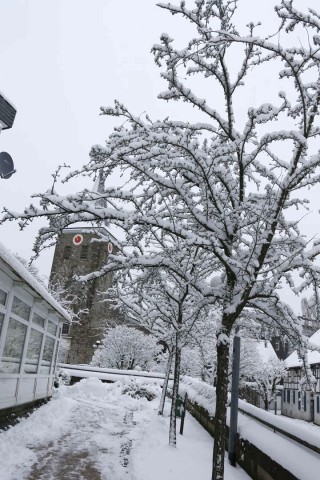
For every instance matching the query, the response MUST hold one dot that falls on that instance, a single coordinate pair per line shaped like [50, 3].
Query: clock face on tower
[77, 239]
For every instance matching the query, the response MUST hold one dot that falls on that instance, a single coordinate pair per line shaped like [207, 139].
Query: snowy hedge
[199, 392]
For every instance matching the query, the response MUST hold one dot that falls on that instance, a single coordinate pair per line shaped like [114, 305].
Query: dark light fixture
[7, 113]
[7, 116]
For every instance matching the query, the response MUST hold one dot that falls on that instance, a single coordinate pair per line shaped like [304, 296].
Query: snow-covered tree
[263, 372]
[162, 300]
[69, 295]
[203, 342]
[226, 184]
[191, 362]
[266, 377]
[32, 269]
[126, 348]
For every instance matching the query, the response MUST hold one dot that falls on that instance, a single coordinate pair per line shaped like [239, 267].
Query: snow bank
[199, 392]
[46, 424]
[123, 392]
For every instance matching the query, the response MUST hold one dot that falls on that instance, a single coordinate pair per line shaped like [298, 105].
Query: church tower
[76, 253]
[80, 251]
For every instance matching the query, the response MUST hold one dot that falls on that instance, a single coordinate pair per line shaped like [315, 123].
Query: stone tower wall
[90, 326]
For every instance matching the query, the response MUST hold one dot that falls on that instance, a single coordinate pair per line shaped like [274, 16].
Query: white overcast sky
[60, 60]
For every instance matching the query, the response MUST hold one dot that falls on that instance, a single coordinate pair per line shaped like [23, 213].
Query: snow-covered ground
[95, 431]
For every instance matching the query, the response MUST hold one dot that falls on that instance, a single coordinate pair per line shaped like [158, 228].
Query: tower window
[67, 252]
[65, 329]
[84, 252]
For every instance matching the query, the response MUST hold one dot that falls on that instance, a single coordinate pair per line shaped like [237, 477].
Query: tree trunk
[221, 411]
[266, 397]
[175, 390]
[165, 383]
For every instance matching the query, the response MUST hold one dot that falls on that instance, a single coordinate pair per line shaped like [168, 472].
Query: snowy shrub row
[199, 392]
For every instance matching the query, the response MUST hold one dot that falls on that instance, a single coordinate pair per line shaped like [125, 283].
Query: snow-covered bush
[138, 389]
[126, 348]
[62, 377]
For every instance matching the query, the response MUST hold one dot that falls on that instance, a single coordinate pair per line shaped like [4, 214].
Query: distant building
[309, 317]
[281, 346]
[309, 325]
[299, 401]
[76, 253]
[281, 343]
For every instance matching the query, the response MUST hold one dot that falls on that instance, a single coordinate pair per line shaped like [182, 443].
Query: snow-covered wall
[264, 452]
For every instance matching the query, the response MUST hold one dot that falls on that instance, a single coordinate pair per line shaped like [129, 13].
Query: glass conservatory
[30, 329]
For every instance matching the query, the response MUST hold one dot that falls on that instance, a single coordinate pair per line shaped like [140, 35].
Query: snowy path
[87, 433]
[96, 431]
[96, 435]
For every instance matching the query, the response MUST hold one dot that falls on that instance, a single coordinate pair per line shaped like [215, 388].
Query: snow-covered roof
[313, 356]
[23, 274]
[265, 351]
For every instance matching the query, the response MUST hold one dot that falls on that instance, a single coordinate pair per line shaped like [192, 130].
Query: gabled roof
[313, 355]
[19, 271]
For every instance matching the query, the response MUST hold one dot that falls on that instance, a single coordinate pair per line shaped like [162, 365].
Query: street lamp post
[234, 399]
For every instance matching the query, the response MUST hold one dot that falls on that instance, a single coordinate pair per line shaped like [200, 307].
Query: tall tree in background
[226, 184]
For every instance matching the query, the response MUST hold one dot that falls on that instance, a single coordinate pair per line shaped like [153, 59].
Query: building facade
[299, 400]
[281, 346]
[30, 328]
[78, 252]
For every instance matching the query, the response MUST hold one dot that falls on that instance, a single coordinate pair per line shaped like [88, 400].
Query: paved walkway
[96, 436]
